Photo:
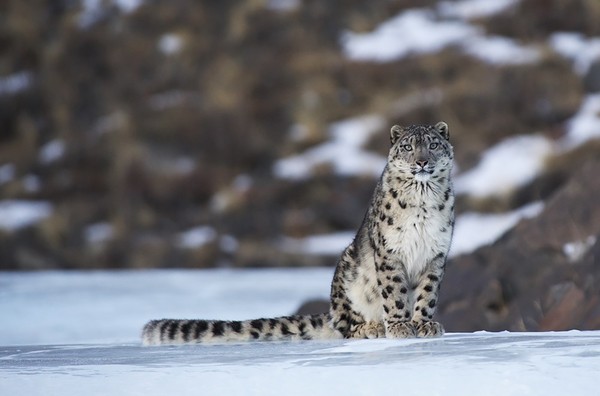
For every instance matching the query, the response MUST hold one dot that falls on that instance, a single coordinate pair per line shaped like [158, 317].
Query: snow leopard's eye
[433, 146]
[407, 147]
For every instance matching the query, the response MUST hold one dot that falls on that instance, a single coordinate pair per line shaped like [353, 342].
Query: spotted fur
[387, 280]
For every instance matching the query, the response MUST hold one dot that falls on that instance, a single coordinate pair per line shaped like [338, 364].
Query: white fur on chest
[418, 241]
[419, 232]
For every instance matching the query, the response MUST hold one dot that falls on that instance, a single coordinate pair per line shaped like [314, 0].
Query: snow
[17, 214]
[112, 306]
[585, 125]
[242, 183]
[197, 237]
[577, 249]
[227, 197]
[85, 336]
[170, 44]
[7, 173]
[512, 163]
[343, 152]
[93, 10]
[15, 83]
[581, 50]
[413, 31]
[472, 9]
[32, 183]
[498, 50]
[52, 151]
[457, 364]
[473, 230]
[228, 244]
[98, 233]
[421, 31]
[325, 244]
[283, 5]
[518, 160]
[128, 5]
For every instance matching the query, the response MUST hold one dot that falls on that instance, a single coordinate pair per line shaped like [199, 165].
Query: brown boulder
[542, 275]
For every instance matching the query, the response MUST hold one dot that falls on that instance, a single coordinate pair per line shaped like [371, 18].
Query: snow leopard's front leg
[344, 317]
[426, 299]
[394, 289]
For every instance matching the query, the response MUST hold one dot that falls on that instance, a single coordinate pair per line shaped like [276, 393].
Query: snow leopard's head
[421, 151]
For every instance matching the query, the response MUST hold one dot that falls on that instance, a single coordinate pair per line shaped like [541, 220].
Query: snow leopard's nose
[422, 163]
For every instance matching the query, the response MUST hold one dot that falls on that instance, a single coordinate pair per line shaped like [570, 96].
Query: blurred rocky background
[250, 133]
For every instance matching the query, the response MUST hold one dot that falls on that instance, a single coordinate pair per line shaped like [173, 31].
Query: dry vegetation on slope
[171, 116]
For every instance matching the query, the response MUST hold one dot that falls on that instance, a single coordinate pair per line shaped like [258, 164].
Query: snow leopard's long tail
[169, 331]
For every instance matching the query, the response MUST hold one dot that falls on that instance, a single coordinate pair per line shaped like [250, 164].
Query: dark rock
[566, 309]
[591, 81]
[312, 307]
[542, 275]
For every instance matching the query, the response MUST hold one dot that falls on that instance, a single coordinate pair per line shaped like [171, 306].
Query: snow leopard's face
[421, 151]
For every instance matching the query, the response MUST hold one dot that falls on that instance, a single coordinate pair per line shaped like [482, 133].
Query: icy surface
[108, 307]
[85, 337]
[457, 364]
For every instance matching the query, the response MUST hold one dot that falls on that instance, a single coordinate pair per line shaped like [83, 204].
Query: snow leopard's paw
[367, 330]
[400, 330]
[429, 329]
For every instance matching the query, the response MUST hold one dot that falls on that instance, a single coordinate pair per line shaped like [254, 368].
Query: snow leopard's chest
[415, 231]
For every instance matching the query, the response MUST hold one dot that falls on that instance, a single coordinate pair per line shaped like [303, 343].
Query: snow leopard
[386, 282]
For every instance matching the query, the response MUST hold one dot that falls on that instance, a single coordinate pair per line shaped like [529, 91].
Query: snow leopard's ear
[395, 133]
[442, 128]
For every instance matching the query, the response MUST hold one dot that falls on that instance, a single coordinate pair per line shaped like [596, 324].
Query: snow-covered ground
[67, 333]
[57, 307]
